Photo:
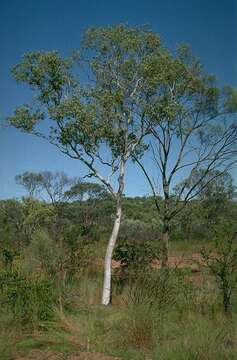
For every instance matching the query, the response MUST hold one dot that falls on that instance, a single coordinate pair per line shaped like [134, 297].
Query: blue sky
[208, 25]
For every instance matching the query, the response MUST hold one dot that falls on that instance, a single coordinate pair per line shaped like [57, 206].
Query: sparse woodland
[89, 273]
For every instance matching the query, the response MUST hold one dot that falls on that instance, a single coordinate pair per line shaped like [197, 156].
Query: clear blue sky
[210, 27]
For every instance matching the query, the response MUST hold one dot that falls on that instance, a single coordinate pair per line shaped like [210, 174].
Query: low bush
[135, 259]
[43, 254]
[159, 289]
[29, 299]
[222, 262]
[135, 231]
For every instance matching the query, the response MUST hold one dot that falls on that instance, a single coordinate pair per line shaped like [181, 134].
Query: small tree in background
[30, 181]
[194, 135]
[82, 190]
[55, 185]
[51, 187]
[46, 185]
[216, 199]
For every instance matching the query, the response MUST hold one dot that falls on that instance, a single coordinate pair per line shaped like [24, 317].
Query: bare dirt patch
[193, 261]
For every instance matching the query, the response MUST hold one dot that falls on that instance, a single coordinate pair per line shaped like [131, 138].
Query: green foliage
[30, 181]
[7, 256]
[43, 254]
[230, 98]
[29, 299]
[122, 61]
[46, 72]
[222, 261]
[37, 214]
[214, 205]
[210, 185]
[12, 222]
[136, 249]
[85, 190]
[134, 230]
[45, 185]
[134, 258]
[25, 118]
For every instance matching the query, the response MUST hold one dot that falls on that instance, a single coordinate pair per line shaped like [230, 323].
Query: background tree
[47, 185]
[217, 185]
[50, 187]
[214, 203]
[100, 122]
[86, 191]
[88, 196]
[194, 134]
[55, 185]
[37, 214]
[30, 181]
[215, 195]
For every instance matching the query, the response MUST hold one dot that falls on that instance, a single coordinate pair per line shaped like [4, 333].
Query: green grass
[149, 319]
[197, 329]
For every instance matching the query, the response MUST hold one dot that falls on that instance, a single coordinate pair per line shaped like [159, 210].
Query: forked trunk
[106, 295]
[165, 245]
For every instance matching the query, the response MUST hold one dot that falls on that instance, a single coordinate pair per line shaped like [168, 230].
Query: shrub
[134, 256]
[159, 289]
[135, 231]
[7, 256]
[43, 253]
[223, 264]
[76, 236]
[29, 299]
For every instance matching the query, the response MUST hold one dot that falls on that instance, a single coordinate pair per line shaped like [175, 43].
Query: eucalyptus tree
[95, 113]
[30, 181]
[46, 185]
[216, 185]
[82, 190]
[55, 185]
[194, 135]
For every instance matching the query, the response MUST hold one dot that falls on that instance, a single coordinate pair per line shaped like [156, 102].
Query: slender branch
[149, 180]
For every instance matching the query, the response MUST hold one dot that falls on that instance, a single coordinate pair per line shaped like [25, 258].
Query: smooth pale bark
[106, 295]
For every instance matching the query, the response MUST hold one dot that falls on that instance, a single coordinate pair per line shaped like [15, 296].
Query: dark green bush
[30, 300]
[134, 256]
[7, 256]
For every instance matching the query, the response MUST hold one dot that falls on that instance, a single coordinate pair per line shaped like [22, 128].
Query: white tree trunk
[106, 295]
